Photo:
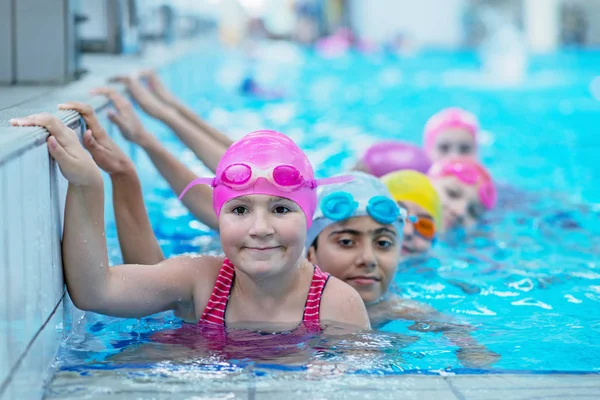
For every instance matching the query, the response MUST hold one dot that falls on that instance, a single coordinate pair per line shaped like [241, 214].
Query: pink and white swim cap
[265, 162]
[449, 118]
[470, 172]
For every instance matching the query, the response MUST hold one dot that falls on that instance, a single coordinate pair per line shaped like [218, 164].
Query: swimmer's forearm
[85, 258]
[460, 337]
[136, 237]
[199, 199]
[202, 125]
[207, 149]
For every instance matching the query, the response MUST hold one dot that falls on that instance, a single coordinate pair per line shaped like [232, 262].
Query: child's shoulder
[341, 302]
[204, 266]
[336, 289]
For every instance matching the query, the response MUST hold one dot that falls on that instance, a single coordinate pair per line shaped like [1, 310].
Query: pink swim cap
[470, 172]
[389, 156]
[447, 119]
[265, 162]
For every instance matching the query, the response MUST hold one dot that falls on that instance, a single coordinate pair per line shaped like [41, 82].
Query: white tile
[29, 378]
[7, 394]
[53, 336]
[58, 192]
[15, 289]
[479, 381]
[47, 230]
[33, 284]
[4, 337]
[530, 394]
[502, 382]
[556, 381]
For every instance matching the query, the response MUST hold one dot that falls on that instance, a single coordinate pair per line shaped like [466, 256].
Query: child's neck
[273, 288]
[273, 297]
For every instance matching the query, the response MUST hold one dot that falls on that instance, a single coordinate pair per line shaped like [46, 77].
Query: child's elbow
[83, 304]
[86, 302]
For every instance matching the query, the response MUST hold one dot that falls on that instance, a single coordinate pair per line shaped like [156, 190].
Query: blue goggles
[338, 206]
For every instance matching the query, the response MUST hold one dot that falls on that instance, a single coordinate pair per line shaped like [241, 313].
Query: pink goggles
[285, 177]
[471, 175]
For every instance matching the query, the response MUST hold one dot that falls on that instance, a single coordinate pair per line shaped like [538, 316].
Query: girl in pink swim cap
[466, 190]
[451, 132]
[264, 195]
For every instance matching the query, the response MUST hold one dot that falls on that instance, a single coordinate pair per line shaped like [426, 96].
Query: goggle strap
[334, 179]
[197, 181]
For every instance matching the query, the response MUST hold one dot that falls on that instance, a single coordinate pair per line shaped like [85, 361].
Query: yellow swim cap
[409, 185]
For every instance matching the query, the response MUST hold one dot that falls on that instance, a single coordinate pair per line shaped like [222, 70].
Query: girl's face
[455, 142]
[262, 235]
[361, 252]
[460, 202]
[415, 239]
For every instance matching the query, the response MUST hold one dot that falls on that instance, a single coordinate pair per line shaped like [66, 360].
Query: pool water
[527, 279]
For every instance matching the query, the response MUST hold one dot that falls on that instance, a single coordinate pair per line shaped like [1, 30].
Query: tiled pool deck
[135, 384]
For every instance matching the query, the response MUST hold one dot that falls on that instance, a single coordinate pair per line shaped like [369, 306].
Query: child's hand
[103, 149]
[75, 163]
[143, 97]
[157, 87]
[477, 356]
[125, 117]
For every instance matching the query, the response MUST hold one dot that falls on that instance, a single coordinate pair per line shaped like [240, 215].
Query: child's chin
[261, 267]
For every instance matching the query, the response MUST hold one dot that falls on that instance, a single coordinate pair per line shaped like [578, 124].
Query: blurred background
[405, 26]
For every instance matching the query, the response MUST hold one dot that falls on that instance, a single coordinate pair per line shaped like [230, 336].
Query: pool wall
[35, 312]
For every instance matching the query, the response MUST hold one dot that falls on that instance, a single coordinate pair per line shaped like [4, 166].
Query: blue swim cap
[364, 196]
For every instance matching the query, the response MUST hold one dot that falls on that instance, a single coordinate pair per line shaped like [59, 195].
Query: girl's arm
[125, 290]
[136, 237]
[199, 199]
[205, 147]
[167, 97]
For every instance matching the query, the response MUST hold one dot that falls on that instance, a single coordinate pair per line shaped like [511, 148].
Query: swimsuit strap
[313, 300]
[217, 303]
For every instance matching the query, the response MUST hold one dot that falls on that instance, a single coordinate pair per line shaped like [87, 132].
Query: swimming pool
[528, 279]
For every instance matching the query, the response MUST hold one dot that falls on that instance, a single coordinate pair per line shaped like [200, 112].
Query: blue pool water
[528, 279]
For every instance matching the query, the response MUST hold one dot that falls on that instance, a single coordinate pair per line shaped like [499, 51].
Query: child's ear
[311, 255]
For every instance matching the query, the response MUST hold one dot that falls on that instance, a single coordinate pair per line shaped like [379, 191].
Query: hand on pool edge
[158, 88]
[76, 164]
[105, 152]
[146, 99]
[125, 117]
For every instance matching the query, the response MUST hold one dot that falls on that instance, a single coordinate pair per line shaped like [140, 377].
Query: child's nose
[261, 225]
[367, 258]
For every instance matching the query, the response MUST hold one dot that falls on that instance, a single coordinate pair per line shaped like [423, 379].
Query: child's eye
[453, 193]
[384, 244]
[464, 148]
[239, 210]
[281, 210]
[444, 148]
[345, 242]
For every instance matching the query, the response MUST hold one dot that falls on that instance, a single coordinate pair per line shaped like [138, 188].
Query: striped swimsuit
[217, 304]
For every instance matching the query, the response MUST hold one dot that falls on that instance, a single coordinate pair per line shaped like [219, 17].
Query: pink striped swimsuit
[217, 304]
